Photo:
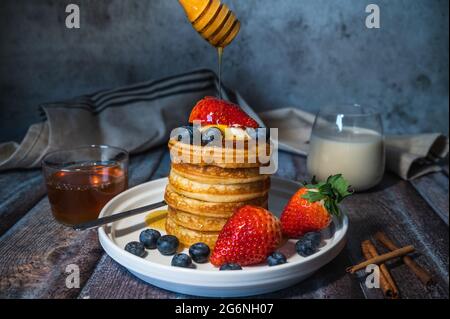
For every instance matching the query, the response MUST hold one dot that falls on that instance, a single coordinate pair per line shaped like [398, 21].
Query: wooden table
[35, 250]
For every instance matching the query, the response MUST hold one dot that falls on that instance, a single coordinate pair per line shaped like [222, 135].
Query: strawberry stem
[332, 192]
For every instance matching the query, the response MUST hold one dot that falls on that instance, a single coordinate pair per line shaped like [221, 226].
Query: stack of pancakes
[202, 196]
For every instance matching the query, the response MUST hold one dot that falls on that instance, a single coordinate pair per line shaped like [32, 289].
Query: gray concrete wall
[302, 53]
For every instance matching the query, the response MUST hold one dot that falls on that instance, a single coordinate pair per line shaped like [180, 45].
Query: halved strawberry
[311, 207]
[249, 236]
[213, 111]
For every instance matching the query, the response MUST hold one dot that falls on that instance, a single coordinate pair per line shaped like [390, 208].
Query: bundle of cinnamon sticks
[387, 283]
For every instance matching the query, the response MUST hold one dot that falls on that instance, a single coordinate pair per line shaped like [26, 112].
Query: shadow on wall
[290, 53]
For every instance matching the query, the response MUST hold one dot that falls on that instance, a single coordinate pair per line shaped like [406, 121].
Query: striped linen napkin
[135, 118]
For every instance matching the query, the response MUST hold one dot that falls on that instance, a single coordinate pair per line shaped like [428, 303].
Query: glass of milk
[348, 140]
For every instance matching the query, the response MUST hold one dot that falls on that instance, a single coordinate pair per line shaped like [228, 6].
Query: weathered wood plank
[20, 190]
[446, 169]
[397, 209]
[434, 189]
[34, 253]
[330, 282]
[111, 280]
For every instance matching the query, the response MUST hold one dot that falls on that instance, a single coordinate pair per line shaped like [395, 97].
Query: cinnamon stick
[387, 283]
[381, 258]
[423, 275]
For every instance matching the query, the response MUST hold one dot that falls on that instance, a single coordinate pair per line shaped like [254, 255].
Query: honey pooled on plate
[157, 220]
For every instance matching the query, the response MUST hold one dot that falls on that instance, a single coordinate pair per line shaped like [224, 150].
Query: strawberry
[311, 207]
[250, 235]
[213, 111]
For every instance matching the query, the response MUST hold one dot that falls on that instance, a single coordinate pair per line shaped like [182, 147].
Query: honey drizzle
[220, 56]
[157, 220]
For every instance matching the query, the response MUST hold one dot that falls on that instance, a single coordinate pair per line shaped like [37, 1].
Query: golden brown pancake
[188, 236]
[211, 209]
[225, 157]
[218, 175]
[222, 193]
[196, 222]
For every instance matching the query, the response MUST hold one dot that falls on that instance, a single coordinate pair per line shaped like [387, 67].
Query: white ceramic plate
[206, 280]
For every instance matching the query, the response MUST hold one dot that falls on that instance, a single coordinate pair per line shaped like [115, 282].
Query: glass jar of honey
[82, 180]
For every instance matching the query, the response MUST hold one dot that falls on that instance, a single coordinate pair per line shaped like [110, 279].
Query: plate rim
[106, 240]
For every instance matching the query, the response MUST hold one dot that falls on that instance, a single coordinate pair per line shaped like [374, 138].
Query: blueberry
[199, 252]
[276, 259]
[314, 237]
[306, 247]
[136, 248]
[211, 134]
[230, 266]
[182, 260]
[167, 245]
[184, 134]
[149, 237]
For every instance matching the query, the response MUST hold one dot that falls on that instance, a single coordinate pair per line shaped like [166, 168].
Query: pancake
[221, 193]
[211, 209]
[218, 175]
[225, 157]
[188, 236]
[196, 222]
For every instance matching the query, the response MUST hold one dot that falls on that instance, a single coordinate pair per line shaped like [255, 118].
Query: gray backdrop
[302, 53]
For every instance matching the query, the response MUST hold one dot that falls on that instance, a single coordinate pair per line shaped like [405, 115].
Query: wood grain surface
[19, 192]
[434, 189]
[35, 250]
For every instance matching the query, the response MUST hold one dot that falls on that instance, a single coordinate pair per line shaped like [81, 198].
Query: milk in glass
[356, 153]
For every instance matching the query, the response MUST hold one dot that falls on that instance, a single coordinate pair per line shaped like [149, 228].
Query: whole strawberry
[249, 236]
[311, 208]
[213, 111]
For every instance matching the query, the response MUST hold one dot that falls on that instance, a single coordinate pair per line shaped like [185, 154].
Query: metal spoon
[112, 218]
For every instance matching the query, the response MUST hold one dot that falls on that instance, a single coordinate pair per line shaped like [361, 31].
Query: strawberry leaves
[332, 192]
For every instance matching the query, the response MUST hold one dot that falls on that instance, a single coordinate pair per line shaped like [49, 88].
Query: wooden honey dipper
[215, 22]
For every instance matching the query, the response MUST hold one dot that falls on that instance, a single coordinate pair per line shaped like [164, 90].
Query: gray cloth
[408, 156]
[136, 118]
[141, 116]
